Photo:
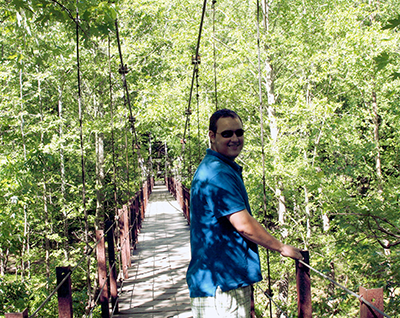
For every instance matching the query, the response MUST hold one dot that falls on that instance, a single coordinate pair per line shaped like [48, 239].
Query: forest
[96, 96]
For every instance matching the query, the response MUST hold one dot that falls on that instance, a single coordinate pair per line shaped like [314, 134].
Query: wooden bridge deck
[156, 287]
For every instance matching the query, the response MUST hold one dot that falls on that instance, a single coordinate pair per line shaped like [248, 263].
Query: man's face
[230, 146]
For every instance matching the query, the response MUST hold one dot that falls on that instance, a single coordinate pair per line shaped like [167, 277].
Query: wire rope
[83, 172]
[123, 71]
[87, 254]
[271, 300]
[195, 67]
[215, 58]
[196, 62]
[345, 289]
[261, 107]
[198, 120]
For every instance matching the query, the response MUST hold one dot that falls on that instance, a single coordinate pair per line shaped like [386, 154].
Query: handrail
[182, 195]
[137, 206]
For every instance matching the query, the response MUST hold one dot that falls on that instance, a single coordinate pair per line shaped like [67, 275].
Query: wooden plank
[157, 279]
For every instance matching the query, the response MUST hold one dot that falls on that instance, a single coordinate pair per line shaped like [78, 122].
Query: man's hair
[221, 113]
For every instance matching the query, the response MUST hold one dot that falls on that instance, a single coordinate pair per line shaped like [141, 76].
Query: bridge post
[137, 217]
[128, 236]
[64, 293]
[375, 297]
[303, 280]
[186, 203]
[102, 272]
[112, 265]
[23, 314]
[124, 240]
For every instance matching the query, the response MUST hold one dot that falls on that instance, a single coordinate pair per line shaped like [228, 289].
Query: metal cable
[88, 254]
[195, 65]
[360, 298]
[215, 57]
[271, 300]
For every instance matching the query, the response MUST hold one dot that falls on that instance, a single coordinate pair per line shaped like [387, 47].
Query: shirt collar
[225, 159]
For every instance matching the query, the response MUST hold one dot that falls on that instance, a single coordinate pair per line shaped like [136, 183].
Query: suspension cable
[198, 119]
[261, 107]
[196, 62]
[195, 67]
[215, 58]
[88, 253]
[123, 71]
[271, 300]
[360, 298]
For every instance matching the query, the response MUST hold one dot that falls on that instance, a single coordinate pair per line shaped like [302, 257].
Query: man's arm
[249, 228]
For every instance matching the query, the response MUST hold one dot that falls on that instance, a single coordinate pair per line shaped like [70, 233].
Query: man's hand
[292, 252]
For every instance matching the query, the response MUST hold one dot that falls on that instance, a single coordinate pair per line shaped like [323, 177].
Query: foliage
[13, 296]
[331, 134]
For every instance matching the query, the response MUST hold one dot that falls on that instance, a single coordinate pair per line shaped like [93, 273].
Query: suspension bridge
[154, 253]
[156, 286]
[154, 248]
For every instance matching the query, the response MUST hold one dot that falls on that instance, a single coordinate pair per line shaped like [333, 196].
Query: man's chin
[233, 154]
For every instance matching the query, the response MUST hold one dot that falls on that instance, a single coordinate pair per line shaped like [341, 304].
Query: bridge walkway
[156, 287]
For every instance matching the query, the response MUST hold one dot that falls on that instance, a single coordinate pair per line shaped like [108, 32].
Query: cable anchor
[196, 60]
[268, 292]
[123, 69]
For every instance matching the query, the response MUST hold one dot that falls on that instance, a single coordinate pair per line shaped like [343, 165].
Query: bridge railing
[128, 222]
[181, 194]
[371, 300]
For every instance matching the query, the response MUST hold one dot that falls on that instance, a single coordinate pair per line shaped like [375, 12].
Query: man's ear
[211, 135]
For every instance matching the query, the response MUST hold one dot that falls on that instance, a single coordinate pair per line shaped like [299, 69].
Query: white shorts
[235, 303]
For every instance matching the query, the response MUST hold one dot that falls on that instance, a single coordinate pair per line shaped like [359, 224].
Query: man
[223, 234]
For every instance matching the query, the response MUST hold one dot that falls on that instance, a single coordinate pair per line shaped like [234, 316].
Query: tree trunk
[25, 246]
[114, 177]
[80, 116]
[3, 261]
[47, 230]
[100, 181]
[273, 124]
[376, 121]
[47, 227]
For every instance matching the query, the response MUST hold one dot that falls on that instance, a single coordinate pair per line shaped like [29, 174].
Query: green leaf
[392, 24]
[382, 60]
[395, 75]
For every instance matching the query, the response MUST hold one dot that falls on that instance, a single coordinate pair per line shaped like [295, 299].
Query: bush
[13, 296]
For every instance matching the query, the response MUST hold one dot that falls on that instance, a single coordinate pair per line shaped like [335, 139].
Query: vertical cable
[198, 119]
[262, 137]
[215, 58]
[88, 280]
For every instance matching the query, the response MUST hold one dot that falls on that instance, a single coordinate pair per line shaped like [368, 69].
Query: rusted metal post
[373, 296]
[112, 266]
[123, 241]
[136, 219]
[142, 201]
[23, 314]
[64, 293]
[102, 273]
[127, 235]
[304, 307]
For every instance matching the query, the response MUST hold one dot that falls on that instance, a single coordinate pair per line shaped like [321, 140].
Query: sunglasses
[229, 133]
